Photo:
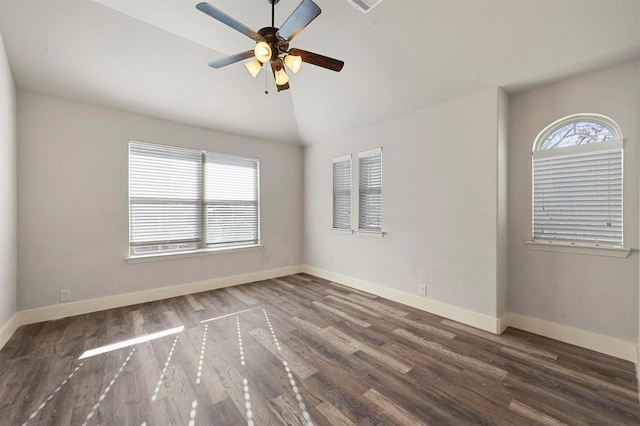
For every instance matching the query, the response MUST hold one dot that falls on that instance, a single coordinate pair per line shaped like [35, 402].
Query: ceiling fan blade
[318, 60]
[306, 12]
[227, 20]
[231, 59]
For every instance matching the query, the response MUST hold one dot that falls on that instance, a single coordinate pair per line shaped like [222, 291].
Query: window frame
[615, 145]
[203, 248]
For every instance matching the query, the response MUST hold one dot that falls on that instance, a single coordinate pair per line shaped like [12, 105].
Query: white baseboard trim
[93, 305]
[8, 329]
[465, 316]
[618, 348]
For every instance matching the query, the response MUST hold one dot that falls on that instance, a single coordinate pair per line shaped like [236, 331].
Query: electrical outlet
[422, 289]
[292, 261]
[65, 294]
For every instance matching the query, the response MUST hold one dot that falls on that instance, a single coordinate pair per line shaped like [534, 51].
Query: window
[187, 200]
[370, 191]
[577, 182]
[342, 192]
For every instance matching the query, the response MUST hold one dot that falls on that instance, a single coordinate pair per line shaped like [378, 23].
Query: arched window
[577, 182]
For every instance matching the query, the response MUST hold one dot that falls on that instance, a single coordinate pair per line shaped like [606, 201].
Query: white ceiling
[150, 57]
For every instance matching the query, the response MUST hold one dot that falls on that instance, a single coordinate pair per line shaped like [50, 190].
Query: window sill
[342, 231]
[565, 247]
[374, 234]
[194, 253]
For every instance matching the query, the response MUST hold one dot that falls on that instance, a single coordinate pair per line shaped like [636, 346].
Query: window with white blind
[231, 200]
[577, 182]
[370, 190]
[342, 193]
[190, 200]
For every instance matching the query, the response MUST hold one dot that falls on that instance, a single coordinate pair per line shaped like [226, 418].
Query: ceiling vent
[364, 6]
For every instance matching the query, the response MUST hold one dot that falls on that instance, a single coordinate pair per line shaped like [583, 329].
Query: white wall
[593, 293]
[73, 202]
[8, 188]
[440, 213]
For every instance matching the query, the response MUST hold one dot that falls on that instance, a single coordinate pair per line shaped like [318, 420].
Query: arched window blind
[186, 200]
[577, 182]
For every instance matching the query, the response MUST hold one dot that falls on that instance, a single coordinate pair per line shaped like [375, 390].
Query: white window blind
[231, 199]
[577, 195]
[164, 198]
[370, 190]
[342, 192]
[187, 200]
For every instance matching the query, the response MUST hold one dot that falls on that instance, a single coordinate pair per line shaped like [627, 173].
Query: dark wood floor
[301, 350]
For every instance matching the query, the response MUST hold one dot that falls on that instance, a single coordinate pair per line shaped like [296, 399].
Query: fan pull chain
[266, 91]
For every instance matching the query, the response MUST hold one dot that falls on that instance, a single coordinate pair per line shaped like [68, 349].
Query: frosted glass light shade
[262, 52]
[293, 62]
[281, 77]
[254, 67]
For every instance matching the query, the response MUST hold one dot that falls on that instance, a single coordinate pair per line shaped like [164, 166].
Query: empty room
[329, 212]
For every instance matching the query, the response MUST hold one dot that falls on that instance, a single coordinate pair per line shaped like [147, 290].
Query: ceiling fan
[272, 44]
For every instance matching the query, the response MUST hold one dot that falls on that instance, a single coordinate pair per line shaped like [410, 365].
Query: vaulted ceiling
[150, 57]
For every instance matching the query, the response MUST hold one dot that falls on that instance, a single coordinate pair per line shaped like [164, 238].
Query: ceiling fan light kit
[293, 63]
[263, 52]
[272, 44]
[254, 67]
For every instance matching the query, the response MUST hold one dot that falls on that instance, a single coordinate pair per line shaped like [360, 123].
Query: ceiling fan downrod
[273, 11]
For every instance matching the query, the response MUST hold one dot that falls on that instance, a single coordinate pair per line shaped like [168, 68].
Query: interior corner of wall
[9, 328]
[502, 322]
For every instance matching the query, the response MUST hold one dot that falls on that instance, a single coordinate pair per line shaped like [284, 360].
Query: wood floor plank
[241, 295]
[467, 391]
[282, 352]
[394, 411]
[560, 395]
[570, 373]
[233, 383]
[341, 314]
[223, 359]
[500, 339]
[194, 303]
[355, 306]
[374, 304]
[425, 327]
[533, 414]
[385, 360]
[267, 354]
[333, 415]
[287, 412]
[284, 283]
[462, 359]
[335, 340]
